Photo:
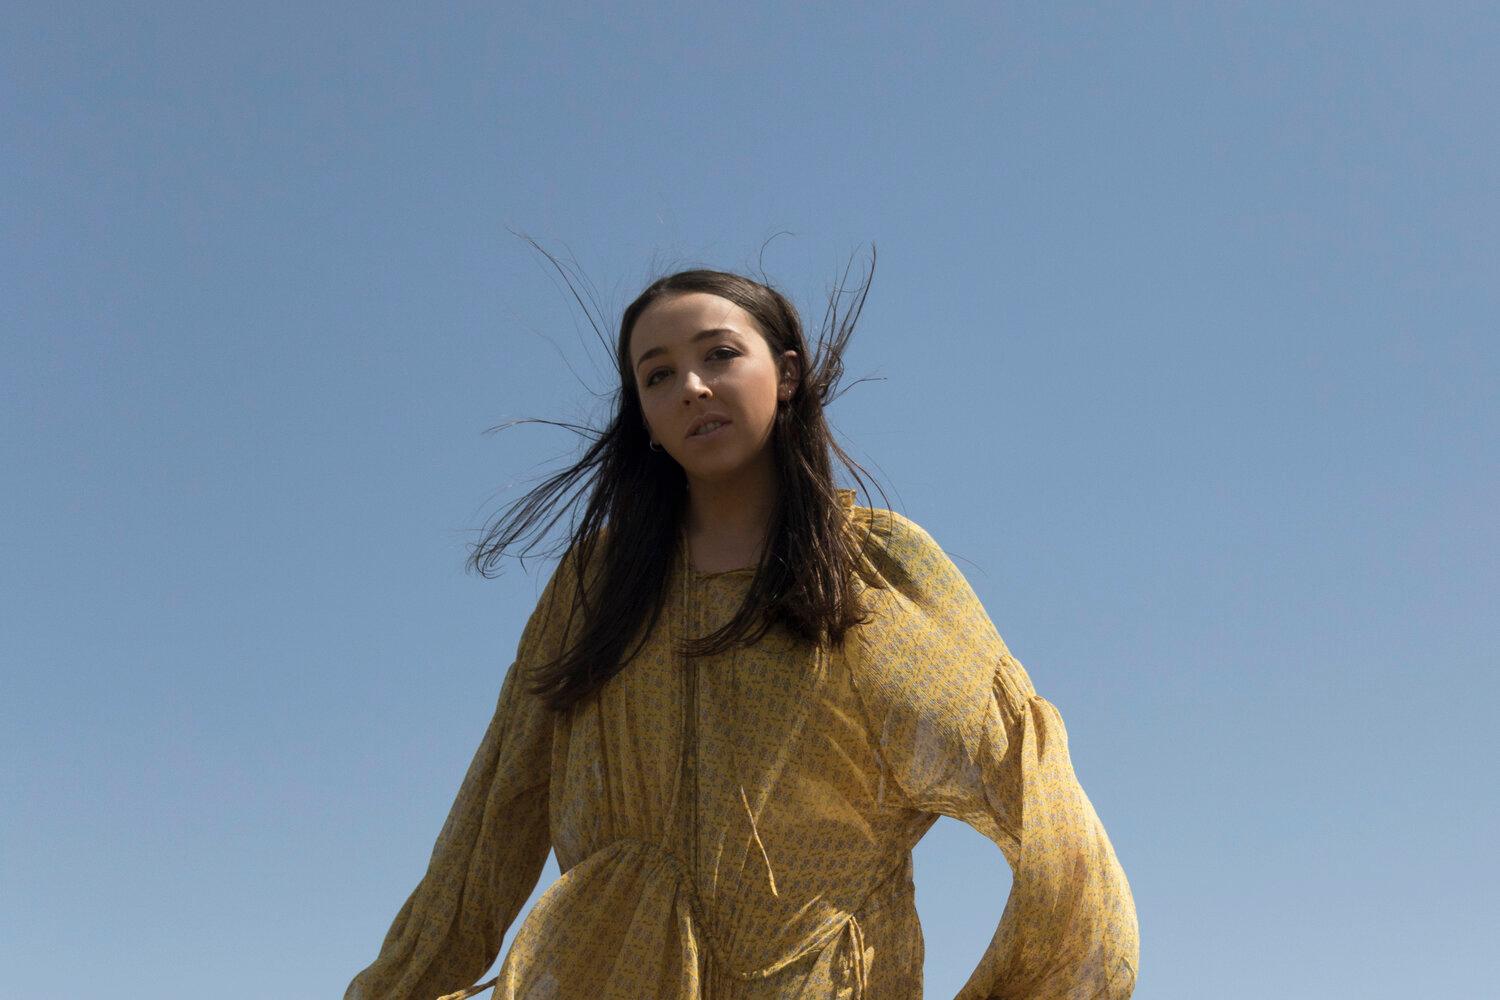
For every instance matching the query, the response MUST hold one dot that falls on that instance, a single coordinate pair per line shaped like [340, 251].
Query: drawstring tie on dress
[857, 959]
[471, 991]
[851, 936]
[755, 835]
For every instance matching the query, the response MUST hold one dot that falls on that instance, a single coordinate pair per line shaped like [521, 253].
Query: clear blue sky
[1187, 320]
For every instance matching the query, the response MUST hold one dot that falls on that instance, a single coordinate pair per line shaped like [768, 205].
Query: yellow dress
[739, 827]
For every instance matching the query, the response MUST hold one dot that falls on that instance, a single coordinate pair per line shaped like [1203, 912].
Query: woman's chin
[711, 473]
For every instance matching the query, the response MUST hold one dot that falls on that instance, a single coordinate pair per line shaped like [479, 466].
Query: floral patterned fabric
[740, 827]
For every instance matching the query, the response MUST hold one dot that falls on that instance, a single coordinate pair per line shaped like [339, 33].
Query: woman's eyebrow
[700, 335]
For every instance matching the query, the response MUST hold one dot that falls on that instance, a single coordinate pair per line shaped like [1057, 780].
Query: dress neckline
[705, 573]
[686, 558]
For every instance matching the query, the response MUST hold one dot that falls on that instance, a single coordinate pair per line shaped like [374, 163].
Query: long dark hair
[636, 499]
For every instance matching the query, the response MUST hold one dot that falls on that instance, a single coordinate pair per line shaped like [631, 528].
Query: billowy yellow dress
[740, 826]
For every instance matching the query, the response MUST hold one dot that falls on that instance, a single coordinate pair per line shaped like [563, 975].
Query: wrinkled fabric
[740, 826]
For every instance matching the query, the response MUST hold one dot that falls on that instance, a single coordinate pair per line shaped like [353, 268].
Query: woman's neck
[726, 522]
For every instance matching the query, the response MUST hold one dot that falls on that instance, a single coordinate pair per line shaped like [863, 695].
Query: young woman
[739, 703]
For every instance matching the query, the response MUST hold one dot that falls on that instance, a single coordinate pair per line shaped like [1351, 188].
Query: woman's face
[699, 359]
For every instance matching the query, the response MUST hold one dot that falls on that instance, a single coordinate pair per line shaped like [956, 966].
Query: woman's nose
[693, 387]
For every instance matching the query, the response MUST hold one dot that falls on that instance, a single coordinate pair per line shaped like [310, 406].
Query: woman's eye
[717, 354]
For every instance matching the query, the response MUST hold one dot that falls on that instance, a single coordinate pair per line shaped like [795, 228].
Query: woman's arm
[965, 735]
[488, 855]
[1069, 928]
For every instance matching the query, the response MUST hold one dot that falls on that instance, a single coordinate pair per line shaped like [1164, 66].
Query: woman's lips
[704, 436]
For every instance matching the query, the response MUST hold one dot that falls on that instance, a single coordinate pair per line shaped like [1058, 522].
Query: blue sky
[1184, 323]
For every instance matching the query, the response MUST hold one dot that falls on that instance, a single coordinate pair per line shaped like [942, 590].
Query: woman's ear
[791, 370]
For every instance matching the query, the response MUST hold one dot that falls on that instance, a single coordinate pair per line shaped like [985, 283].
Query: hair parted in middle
[620, 551]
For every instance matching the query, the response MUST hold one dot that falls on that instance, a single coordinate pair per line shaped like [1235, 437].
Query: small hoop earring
[656, 447]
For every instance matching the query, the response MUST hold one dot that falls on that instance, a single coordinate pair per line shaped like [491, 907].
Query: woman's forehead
[691, 311]
[686, 317]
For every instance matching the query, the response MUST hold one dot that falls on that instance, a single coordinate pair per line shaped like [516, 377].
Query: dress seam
[888, 775]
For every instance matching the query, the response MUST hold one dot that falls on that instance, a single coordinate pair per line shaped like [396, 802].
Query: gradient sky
[1183, 333]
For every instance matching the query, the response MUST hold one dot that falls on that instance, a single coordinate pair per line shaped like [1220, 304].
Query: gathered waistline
[847, 925]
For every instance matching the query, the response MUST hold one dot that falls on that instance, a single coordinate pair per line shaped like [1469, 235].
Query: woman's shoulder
[898, 554]
[558, 612]
[928, 644]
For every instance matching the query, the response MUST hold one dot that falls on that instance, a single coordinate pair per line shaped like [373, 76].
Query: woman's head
[711, 365]
[699, 345]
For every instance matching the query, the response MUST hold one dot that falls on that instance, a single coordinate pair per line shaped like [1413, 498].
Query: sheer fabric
[739, 827]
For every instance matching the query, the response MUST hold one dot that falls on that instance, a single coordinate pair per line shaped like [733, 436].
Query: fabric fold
[625, 914]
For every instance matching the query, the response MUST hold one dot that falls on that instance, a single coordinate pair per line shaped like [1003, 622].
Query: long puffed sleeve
[963, 733]
[488, 854]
